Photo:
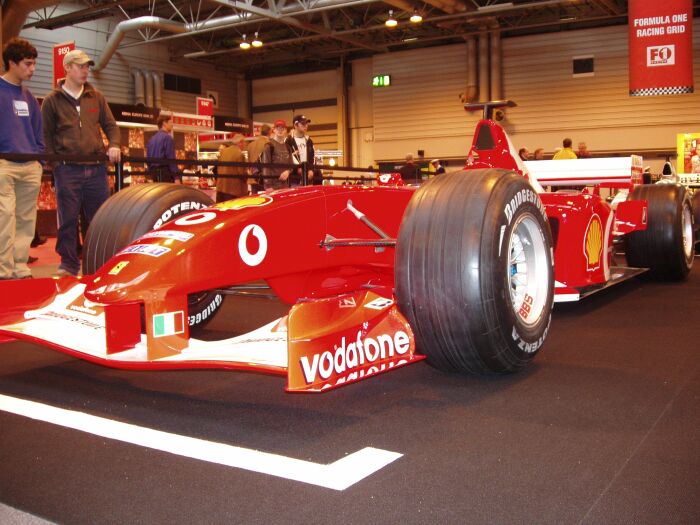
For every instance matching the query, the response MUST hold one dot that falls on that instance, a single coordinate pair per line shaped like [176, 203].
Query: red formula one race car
[460, 270]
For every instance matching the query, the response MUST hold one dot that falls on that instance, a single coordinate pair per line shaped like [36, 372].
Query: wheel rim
[687, 231]
[528, 270]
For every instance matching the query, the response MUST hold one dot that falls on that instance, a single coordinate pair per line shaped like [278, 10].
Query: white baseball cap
[77, 56]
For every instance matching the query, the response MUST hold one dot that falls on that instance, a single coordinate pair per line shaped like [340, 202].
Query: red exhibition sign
[205, 106]
[660, 47]
[59, 51]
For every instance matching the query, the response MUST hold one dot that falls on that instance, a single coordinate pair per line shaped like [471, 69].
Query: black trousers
[161, 174]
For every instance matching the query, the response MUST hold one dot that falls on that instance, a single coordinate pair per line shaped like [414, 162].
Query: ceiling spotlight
[244, 43]
[416, 18]
[391, 21]
[256, 41]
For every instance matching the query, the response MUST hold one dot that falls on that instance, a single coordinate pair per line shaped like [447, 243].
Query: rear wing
[611, 171]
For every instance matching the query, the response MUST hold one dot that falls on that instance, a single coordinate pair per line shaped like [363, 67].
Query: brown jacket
[255, 150]
[237, 187]
[68, 133]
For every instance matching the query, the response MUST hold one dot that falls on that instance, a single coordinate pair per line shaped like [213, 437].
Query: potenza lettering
[526, 195]
[349, 356]
[530, 348]
[175, 209]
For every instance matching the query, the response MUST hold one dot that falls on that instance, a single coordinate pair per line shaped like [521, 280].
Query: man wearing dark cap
[302, 150]
[73, 115]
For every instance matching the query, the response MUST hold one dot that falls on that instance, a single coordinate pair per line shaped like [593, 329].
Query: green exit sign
[381, 81]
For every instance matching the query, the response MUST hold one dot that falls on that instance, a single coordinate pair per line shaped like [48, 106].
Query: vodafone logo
[252, 259]
[661, 55]
[348, 356]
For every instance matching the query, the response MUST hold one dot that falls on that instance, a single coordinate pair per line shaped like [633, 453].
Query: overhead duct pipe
[132, 25]
[148, 82]
[496, 67]
[469, 95]
[157, 90]
[170, 26]
[484, 67]
[139, 97]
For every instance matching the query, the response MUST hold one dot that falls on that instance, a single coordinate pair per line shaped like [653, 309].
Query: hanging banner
[59, 51]
[660, 47]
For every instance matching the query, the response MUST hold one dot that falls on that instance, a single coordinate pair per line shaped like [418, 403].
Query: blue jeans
[78, 186]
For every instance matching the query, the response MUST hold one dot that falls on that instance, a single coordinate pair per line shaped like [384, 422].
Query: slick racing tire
[474, 271]
[666, 247]
[136, 210]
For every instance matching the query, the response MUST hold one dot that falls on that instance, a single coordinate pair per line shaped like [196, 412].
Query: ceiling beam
[294, 22]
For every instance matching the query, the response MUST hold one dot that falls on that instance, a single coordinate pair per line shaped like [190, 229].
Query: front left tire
[136, 210]
[474, 271]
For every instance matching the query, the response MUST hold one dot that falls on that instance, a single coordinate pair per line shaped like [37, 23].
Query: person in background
[73, 114]
[439, 168]
[565, 152]
[228, 188]
[583, 152]
[21, 132]
[694, 162]
[162, 146]
[539, 154]
[409, 171]
[255, 150]
[302, 148]
[277, 151]
[524, 154]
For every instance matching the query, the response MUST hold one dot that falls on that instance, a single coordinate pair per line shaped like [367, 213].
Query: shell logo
[593, 243]
[244, 202]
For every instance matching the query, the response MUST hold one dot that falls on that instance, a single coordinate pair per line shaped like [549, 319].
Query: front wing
[319, 345]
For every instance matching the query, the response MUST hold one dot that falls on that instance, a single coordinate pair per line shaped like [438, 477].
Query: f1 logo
[661, 55]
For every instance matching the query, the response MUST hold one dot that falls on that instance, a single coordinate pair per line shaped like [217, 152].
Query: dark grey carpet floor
[604, 427]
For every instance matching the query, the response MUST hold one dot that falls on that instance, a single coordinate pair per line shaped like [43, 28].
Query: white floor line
[338, 475]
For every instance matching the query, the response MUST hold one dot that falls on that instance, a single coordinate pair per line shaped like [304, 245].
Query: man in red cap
[277, 151]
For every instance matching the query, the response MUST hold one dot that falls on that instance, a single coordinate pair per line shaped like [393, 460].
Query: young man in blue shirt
[20, 132]
[162, 146]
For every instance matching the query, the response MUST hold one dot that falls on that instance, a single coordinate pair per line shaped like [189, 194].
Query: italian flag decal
[169, 323]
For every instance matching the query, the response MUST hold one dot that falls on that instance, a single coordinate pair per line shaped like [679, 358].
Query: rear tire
[666, 247]
[474, 272]
[135, 211]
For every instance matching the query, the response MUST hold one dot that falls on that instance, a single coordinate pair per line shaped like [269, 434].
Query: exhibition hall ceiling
[299, 35]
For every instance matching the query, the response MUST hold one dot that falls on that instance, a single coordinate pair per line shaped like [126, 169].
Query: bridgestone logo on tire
[525, 195]
[204, 314]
